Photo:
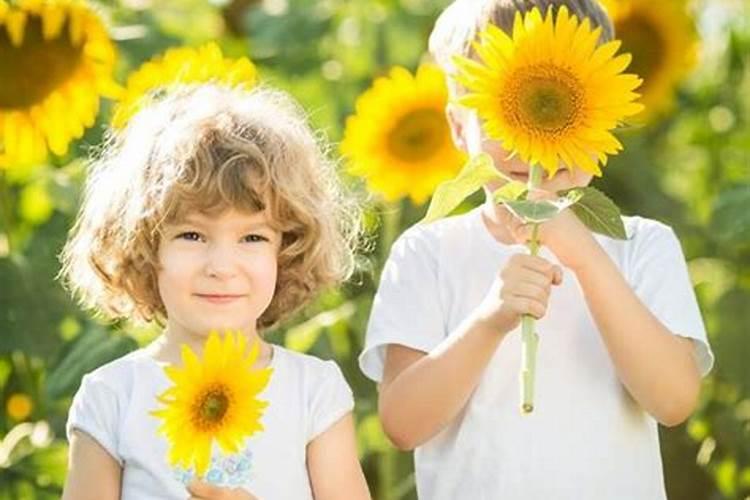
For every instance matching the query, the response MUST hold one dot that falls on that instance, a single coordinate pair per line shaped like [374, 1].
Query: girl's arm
[333, 465]
[92, 472]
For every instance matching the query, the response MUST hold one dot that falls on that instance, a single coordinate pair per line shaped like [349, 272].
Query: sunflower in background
[213, 400]
[181, 65]
[399, 139]
[56, 61]
[661, 37]
[19, 406]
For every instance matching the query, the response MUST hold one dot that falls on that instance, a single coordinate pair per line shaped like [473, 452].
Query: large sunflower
[399, 139]
[549, 93]
[56, 60]
[177, 66]
[661, 37]
[212, 400]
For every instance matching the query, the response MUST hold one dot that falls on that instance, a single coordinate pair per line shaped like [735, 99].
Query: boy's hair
[458, 25]
[208, 148]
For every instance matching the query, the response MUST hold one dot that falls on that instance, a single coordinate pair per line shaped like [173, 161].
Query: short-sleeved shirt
[305, 397]
[587, 438]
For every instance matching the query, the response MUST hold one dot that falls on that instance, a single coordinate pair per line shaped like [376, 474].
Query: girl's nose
[220, 261]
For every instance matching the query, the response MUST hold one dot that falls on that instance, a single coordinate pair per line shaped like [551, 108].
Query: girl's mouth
[218, 298]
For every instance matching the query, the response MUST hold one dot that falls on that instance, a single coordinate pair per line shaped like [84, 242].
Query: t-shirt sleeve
[659, 276]
[95, 410]
[406, 308]
[331, 399]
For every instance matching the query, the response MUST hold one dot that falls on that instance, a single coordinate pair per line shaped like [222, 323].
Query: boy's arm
[421, 393]
[92, 472]
[333, 465]
[655, 365]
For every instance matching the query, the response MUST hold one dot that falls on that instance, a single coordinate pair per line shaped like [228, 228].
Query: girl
[214, 209]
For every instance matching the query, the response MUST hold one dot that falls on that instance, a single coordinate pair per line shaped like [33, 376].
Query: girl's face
[217, 272]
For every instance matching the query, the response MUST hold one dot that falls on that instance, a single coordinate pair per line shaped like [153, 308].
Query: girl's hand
[200, 490]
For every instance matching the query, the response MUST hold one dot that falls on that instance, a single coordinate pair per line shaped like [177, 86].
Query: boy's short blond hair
[458, 25]
[208, 148]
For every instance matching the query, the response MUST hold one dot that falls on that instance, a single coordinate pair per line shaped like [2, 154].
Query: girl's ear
[456, 117]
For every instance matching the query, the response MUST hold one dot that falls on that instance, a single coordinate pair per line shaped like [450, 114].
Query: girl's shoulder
[309, 374]
[119, 374]
[301, 363]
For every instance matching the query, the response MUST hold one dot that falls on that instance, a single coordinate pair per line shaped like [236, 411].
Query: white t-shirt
[587, 439]
[305, 394]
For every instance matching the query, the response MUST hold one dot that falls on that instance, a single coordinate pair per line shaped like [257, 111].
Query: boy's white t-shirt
[305, 394]
[586, 439]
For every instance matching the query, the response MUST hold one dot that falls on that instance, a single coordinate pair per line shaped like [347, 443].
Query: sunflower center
[31, 71]
[418, 135]
[211, 407]
[543, 100]
[645, 42]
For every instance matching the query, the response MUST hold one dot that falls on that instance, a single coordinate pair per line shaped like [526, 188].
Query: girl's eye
[189, 235]
[254, 238]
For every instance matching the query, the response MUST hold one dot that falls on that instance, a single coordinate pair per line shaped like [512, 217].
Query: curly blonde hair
[208, 148]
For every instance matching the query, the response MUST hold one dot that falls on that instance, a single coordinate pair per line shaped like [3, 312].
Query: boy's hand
[565, 235]
[522, 287]
[200, 490]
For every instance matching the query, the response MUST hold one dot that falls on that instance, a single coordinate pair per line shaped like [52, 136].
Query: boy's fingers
[558, 275]
[539, 265]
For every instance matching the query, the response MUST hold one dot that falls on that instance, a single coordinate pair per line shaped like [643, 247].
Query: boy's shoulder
[645, 237]
[431, 234]
[642, 228]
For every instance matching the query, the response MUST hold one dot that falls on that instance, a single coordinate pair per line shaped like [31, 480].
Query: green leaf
[89, 350]
[475, 174]
[536, 211]
[510, 191]
[598, 212]
[730, 220]
[303, 337]
[533, 211]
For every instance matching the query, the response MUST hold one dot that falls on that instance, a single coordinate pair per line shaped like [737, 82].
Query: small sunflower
[399, 139]
[56, 61]
[181, 65]
[212, 400]
[662, 39]
[19, 406]
[549, 93]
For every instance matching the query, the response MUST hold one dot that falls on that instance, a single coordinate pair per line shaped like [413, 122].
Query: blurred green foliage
[690, 170]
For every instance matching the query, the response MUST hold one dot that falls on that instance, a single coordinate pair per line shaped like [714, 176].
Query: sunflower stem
[391, 220]
[529, 338]
[6, 211]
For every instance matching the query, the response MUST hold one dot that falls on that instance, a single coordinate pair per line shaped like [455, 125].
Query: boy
[622, 342]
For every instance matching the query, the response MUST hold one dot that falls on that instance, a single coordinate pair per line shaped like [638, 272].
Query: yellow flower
[181, 65]
[548, 93]
[213, 400]
[399, 139]
[661, 37]
[56, 60]
[19, 406]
